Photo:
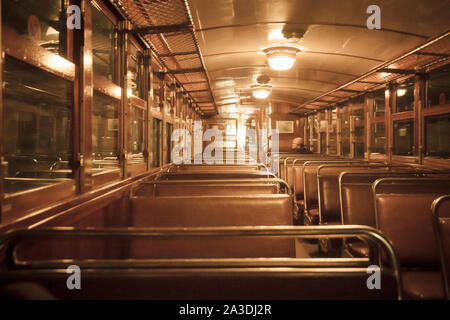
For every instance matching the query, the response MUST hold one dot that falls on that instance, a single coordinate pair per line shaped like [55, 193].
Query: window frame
[16, 205]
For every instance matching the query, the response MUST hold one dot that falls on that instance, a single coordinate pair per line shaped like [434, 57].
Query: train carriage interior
[225, 149]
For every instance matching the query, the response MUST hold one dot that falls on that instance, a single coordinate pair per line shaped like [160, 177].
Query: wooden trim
[436, 110]
[103, 85]
[100, 4]
[27, 51]
[56, 208]
[103, 177]
[403, 115]
[437, 163]
[17, 205]
[137, 102]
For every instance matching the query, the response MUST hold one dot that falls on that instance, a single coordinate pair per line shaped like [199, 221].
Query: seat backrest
[206, 167]
[356, 195]
[212, 211]
[402, 208]
[204, 189]
[441, 222]
[310, 187]
[208, 175]
[328, 185]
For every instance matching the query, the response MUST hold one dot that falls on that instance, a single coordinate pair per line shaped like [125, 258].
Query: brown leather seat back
[298, 181]
[214, 211]
[441, 207]
[197, 189]
[328, 186]
[404, 217]
[213, 175]
[310, 186]
[205, 167]
[357, 195]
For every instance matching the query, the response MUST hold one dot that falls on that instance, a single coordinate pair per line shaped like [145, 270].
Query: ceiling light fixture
[281, 58]
[401, 92]
[261, 91]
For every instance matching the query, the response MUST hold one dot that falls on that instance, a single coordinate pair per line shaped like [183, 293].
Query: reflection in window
[404, 138]
[378, 138]
[156, 143]
[105, 132]
[359, 132]
[37, 123]
[169, 129]
[103, 37]
[135, 71]
[345, 134]
[137, 134]
[405, 97]
[332, 141]
[379, 103]
[439, 86]
[157, 85]
[437, 132]
[40, 21]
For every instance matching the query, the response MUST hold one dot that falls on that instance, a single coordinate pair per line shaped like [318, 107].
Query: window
[332, 141]
[379, 105]
[156, 143]
[135, 72]
[405, 96]
[439, 86]
[437, 136]
[169, 128]
[359, 133]
[37, 124]
[105, 132]
[345, 133]
[137, 134]
[404, 137]
[40, 21]
[378, 138]
[156, 87]
[103, 38]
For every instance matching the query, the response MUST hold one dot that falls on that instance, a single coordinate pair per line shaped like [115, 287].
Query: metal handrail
[11, 239]
[437, 231]
[224, 181]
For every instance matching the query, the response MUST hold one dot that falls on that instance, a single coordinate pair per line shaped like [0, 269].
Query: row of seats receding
[243, 201]
[395, 199]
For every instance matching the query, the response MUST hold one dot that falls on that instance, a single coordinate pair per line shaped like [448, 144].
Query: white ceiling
[338, 46]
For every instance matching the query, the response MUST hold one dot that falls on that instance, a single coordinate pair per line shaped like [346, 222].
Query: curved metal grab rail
[11, 239]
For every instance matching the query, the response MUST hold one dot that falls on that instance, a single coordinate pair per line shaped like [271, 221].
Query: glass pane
[378, 138]
[38, 124]
[169, 142]
[103, 35]
[315, 134]
[345, 136]
[437, 132]
[404, 138]
[359, 132]
[137, 134]
[157, 83]
[40, 21]
[105, 132]
[379, 103]
[135, 71]
[332, 142]
[405, 97]
[439, 86]
[156, 143]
